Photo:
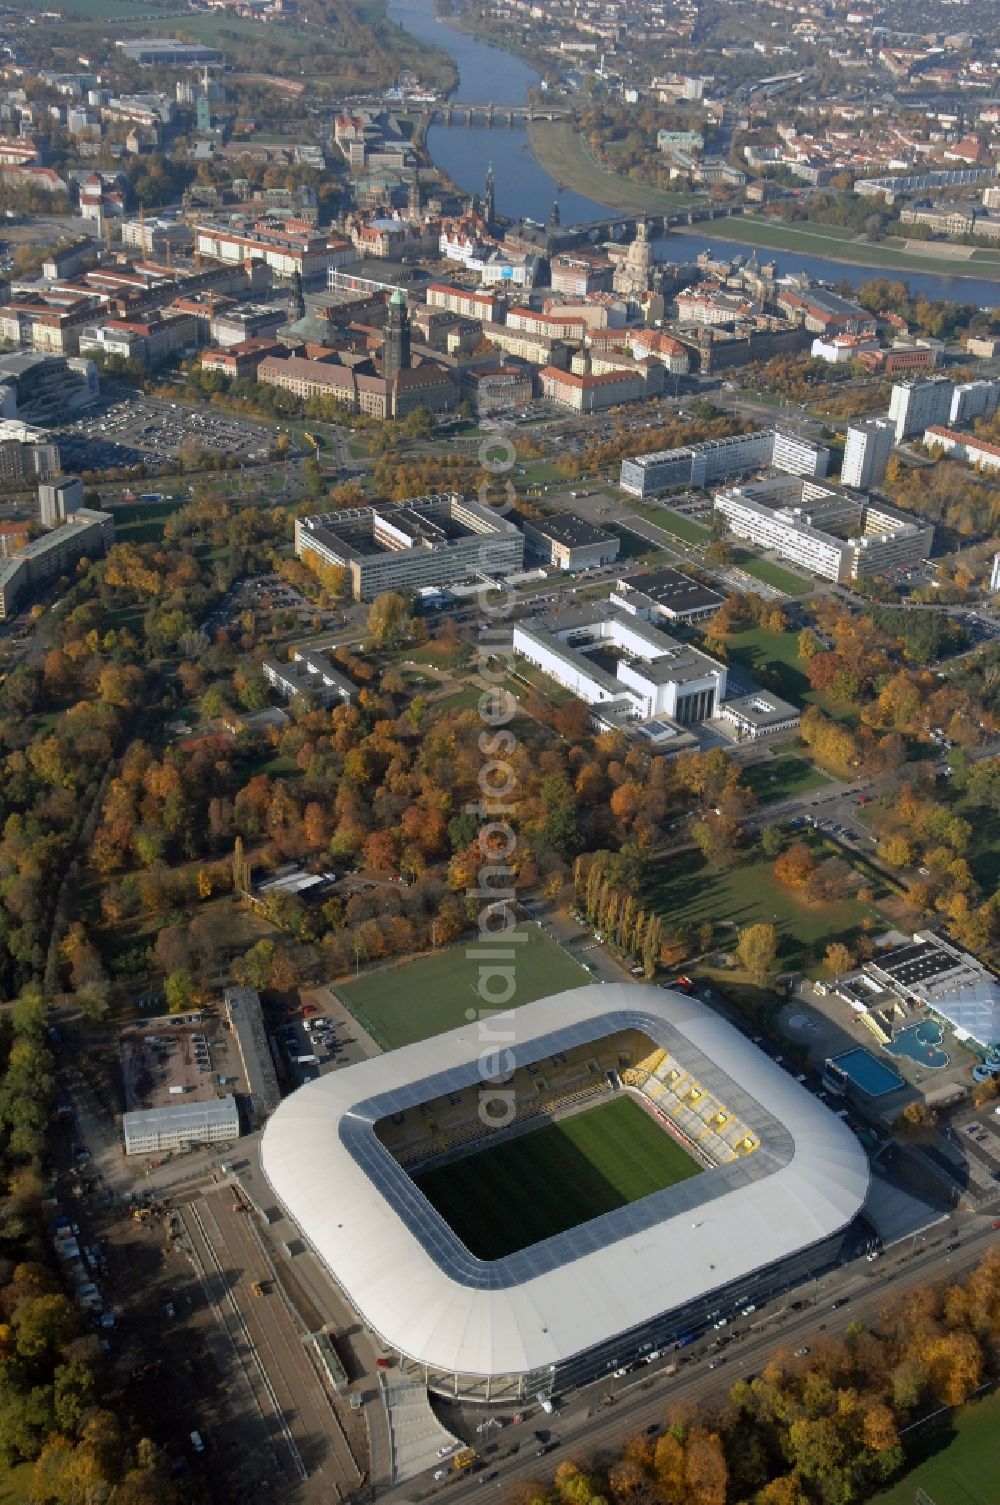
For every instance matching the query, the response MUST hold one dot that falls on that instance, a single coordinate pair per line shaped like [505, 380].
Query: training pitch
[527, 1189]
[439, 992]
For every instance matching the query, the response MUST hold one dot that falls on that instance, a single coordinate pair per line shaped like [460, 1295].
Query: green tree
[179, 991]
[389, 618]
[756, 949]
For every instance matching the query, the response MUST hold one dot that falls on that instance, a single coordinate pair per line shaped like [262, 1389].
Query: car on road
[800, 1353]
[440, 1473]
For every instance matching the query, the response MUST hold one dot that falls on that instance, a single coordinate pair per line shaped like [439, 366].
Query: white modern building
[150, 1131]
[866, 454]
[653, 674]
[309, 671]
[974, 399]
[913, 405]
[779, 1183]
[834, 534]
[720, 459]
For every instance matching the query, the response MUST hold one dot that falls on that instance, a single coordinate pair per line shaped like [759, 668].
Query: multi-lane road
[586, 1427]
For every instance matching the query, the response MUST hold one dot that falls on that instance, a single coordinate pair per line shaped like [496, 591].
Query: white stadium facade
[782, 1180]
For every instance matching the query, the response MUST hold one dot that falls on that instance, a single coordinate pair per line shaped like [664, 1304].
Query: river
[524, 190]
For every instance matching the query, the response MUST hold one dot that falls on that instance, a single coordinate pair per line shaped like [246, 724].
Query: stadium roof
[425, 1295]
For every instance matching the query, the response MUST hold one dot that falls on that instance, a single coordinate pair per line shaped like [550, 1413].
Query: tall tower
[396, 344]
[296, 302]
[489, 199]
[554, 215]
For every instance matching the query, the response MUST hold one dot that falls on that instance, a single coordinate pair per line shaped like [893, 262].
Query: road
[641, 1400]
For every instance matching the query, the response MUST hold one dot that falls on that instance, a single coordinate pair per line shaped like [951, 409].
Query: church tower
[489, 199]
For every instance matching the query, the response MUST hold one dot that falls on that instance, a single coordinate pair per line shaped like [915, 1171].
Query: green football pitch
[436, 993]
[953, 1460]
[527, 1189]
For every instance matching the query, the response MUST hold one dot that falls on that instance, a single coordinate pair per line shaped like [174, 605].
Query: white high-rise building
[866, 454]
[995, 574]
[974, 399]
[915, 405]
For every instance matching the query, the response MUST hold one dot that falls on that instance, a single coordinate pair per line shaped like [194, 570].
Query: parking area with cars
[154, 428]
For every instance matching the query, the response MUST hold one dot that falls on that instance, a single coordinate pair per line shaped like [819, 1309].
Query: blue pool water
[921, 1043]
[866, 1071]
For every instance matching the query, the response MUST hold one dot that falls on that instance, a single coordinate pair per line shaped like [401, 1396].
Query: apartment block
[866, 454]
[913, 405]
[87, 535]
[719, 459]
[833, 534]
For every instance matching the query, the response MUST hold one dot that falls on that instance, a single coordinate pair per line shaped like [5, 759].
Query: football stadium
[533, 1199]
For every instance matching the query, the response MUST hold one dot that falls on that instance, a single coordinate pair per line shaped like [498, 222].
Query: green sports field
[435, 993]
[531, 1188]
[953, 1459]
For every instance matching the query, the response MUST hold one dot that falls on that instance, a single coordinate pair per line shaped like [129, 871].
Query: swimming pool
[866, 1071]
[921, 1043]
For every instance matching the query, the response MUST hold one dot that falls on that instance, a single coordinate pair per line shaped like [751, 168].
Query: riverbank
[836, 244]
[562, 151]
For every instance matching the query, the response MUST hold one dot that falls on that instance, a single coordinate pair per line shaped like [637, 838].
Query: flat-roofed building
[913, 405]
[606, 655]
[759, 714]
[719, 459]
[168, 52]
[431, 540]
[309, 671]
[666, 593]
[246, 1019]
[837, 535]
[570, 543]
[86, 535]
[866, 453]
[150, 1131]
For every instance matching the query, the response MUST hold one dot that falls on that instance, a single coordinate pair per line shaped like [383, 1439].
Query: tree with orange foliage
[795, 866]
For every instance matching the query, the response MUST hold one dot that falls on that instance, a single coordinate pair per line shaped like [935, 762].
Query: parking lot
[152, 428]
[167, 1061]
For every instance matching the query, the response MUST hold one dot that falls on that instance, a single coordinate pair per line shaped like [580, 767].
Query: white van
[197, 1443]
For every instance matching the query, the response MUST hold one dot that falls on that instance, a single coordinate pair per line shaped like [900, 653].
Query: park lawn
[631, 546]
[555, 694]
[954, 1459]
[782, 777]
[672, 522]
[836, 244]
[142, 522]
[684, 889]
[772, 574]
[564, 153]
[424, 997]
[761, 652]
[543, 1183]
